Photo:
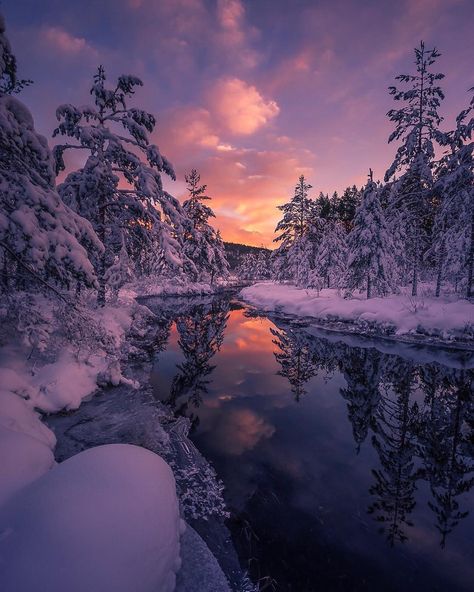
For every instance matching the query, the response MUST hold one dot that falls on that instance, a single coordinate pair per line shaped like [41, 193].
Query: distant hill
[234, 252]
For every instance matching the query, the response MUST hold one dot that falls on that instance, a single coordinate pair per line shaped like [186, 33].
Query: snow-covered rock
[106, 520]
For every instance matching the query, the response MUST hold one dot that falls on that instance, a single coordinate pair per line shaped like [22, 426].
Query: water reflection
[277, 398]
[201, 332]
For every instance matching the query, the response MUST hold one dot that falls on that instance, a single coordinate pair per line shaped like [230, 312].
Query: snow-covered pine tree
[331, 258]
[297, 214]
[347, 206]
[119, 189]
[370, 262]
[291, 260]
[454, 226]
[255, 266]
[416, 127]
[263, 267]
[203, 245]
[40, 237]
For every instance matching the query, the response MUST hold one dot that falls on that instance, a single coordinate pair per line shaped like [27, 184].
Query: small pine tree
[370, 262]
[454, 226]
[292, 259]
[331, 259]
[203, 245]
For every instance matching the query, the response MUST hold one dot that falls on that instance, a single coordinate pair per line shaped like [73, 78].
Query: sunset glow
[252, 94]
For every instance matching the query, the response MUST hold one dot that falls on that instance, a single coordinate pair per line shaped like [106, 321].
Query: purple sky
[252, 93]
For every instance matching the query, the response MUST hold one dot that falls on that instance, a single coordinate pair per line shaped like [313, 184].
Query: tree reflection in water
[432, 442]
[201, 332]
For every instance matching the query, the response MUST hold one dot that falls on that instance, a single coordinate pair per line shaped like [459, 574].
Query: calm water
[347, 468]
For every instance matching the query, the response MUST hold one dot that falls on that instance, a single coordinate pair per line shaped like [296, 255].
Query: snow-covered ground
[445, 318]
[107, 519]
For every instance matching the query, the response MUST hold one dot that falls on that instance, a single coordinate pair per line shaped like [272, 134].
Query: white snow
[105, 520]
[440, 317]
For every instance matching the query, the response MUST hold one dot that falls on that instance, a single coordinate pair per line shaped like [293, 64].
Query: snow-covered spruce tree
[119, 189]
[370, 263]
[347, 206]
[454, 226]
[203, 245]
[294, 229]
[255, 266]
[416, 125]
[331, 258]
[40, 238]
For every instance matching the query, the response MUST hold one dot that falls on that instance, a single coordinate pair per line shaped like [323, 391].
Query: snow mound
[26, 444]
[106, 520]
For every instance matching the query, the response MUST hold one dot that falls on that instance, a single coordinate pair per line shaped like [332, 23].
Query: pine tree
[370, 262]
[40, 238]
[416, 126]
[203, 245]
[454, 226]
[294, 229]
[348, 203]
[331, 258]
[255, 266]
[116, 138]
[297, 214]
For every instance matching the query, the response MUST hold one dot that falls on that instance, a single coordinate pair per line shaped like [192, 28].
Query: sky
[251, 93]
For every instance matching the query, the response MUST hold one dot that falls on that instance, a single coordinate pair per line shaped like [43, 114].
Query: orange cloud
[240, 107]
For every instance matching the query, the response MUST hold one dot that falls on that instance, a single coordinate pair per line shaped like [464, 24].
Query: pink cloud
[62, 40]
[240, 107]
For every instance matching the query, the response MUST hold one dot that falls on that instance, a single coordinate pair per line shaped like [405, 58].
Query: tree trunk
[101, 278]
[103, 257]
[414, 285]
[369, 287]
[470, 260]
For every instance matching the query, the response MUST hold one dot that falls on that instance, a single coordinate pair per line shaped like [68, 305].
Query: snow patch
[106, 519]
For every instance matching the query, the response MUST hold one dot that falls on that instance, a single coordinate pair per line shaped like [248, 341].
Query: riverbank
[423, 318]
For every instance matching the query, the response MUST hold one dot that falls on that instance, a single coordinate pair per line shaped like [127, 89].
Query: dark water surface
[348, 466]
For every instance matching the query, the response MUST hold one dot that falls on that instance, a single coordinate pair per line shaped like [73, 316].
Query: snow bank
[26, 444]
[400, 314]
[166, 287]
[26, 387]
[107, 519]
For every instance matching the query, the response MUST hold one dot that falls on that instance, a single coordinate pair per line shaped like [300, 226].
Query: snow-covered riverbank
[398, 315]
